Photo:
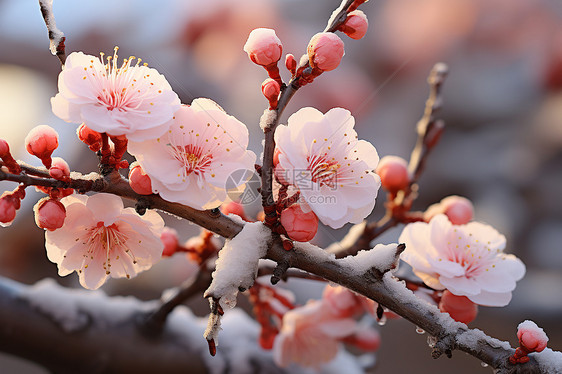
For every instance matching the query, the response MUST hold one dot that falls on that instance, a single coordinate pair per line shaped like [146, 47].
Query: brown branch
[155, 321]
[429, 128]
[56, 37]
[376, 288]
[114, 183]
[108, 337]
[270, 119]
[392, 294]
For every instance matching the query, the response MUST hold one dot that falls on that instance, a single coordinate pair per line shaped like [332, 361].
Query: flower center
[323, 171]
[121, 86]
[192, 158]
[473, 255]
[102, 241]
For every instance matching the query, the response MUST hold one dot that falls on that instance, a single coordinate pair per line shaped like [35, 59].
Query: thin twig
[56, 37]
[271, 122]
[429, 130]
[155, 321]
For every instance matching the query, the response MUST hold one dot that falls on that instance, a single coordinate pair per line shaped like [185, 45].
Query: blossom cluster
[311, 335]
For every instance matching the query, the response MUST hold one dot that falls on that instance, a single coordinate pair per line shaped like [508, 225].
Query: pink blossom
[169, 238]
[460, 308]
[310, 335]
[138, 180]
[325, 51]
[49, 214]
[234, 207]
[193, 163]
[355, 25]
[468, 260]
[300, 226]
[458, 209]
[341, 301]
[7, 211]
[394, 174]
[270, 89]
[91, 138]
[41, 142]
[59, 169]
[263, 47]
[100, 239]
[127, 99]
[531, 337]
[321, 156]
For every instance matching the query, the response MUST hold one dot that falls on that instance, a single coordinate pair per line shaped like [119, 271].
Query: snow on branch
[79, 331]
[236, 270]
[56, 37]
[448, 335]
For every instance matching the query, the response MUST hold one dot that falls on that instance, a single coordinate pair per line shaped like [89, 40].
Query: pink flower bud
[4, 148]
[341, 302]
[355, 25]
[49, 214]
[6, 156]
[393, 171]
[300, 226]
[325, 51]
[366, 339]
[460, 308]
[42, 142]
[91, 138]
[139, 180]
[7, 211]
[169, 237]
[59, 169]
[458, 209]
[291, 63]
[531, 337]
[234, 208]
[270, 89]
[263, 47]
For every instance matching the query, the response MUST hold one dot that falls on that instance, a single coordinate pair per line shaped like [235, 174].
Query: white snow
[237, 264]
[382, 257]
[530, 325]
[267, 118]
[549, 361]
[83, 308]
[55, 35]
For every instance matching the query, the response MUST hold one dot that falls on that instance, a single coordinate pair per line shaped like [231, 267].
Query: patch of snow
[55, 35]
[549, 361]
[267, 118]
[82, 308]
[237, 264]
[382, 257]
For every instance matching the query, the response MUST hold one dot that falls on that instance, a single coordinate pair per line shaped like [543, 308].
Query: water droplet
[484, 365]
[420, 331]
[431, 341]
[382, 321]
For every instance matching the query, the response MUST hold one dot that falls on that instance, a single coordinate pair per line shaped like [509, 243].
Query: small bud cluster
[531, 339]
[10, 202]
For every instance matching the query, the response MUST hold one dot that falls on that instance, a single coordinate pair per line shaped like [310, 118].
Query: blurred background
[503, 110]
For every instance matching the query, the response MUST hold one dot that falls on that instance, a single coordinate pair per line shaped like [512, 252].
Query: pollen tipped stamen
[193, 159]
